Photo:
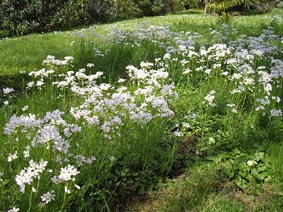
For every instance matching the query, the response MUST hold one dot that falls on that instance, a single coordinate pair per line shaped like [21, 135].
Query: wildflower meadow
[130, 106]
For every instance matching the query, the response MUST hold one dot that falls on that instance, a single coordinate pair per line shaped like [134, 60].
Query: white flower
[30, 84]
[250, 162]
[25, 108]
[67, 172]
[77, 187]
[276, 113]
[186, 125]
[68, 191]
[187, 71]
[167, 56]
[276, 98]
[182, 48]
[211, 141]
[68, 58]
[27, 151]
[112, 158]
[26, 122]
[39, 83]
[234, 110]
[89, 65]
[27, 175]
[8, 90]
[14, 210]
[12, 157]
[48, 197]
[121, 80]
[178, 133]
[210, 97]
[1, 175]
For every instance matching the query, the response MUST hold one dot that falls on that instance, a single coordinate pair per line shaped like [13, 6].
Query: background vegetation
[37, 16]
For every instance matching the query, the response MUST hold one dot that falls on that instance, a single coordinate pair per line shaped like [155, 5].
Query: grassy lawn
[173, 113]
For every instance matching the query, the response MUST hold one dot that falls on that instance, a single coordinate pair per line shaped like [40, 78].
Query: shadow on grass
[16, 81]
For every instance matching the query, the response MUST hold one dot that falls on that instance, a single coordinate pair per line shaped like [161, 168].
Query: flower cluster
[66, 174]
[27, 175]
[243, 65]
[50, 59]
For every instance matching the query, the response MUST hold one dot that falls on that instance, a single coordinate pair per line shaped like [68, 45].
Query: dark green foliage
[102, 10]
[23, 17]
[37, 16]
[196, 4]
[220, 6]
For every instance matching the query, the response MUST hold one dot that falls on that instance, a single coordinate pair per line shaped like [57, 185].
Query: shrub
[29, 16]
[177, 5]
[24, 17]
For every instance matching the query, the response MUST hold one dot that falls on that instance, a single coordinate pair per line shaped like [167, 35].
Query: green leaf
[216, 158]
[262, 176]
[259, 156]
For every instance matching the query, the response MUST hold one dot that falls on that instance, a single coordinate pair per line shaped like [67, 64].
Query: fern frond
[223, 5]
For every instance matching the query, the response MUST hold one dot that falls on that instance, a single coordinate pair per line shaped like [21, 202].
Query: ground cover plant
[123, 107]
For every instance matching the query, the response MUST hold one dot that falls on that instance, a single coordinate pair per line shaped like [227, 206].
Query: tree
[220, 6]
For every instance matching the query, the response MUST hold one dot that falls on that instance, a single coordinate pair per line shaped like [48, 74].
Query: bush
[103, 10]
[128, 9]
[160, 7]
[196, 4]
[24, 17]
[177, 5]
[37, 16]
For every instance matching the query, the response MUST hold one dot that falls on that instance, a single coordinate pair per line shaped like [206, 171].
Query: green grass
[27, 53]
[191, 153]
